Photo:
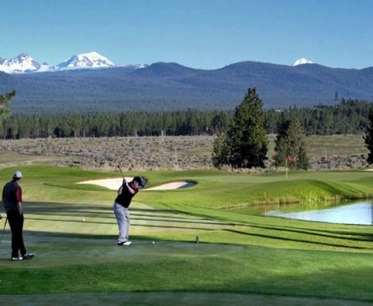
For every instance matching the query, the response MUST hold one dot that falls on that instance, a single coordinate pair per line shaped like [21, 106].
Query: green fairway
[240, 258]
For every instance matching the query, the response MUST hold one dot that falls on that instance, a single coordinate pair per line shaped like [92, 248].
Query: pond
[360, 213]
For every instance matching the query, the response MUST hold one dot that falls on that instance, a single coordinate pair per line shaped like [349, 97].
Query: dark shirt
[12, 194]
[125, 196]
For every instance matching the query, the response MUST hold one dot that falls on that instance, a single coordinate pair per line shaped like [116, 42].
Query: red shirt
[19, 194]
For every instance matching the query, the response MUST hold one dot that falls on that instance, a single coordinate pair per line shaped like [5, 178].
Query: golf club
[120, 169]
[2, 234]
[143, 179]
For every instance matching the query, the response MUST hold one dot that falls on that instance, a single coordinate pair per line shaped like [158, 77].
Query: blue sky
[206, 34]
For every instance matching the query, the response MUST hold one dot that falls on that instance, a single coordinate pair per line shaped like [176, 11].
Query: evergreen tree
[368, 138]
[76, 124]
[220, 153]
[246, 137]
[4, 104]
[290, 146]
[281, 146]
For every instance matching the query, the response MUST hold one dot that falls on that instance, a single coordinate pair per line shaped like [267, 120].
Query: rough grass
[151, 153]
[336, 145]
[169, 152]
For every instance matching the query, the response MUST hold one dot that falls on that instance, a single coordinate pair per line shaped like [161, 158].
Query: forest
[347, 117]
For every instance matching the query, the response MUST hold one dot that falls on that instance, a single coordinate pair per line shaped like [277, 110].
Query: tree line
[347, 117]
[242, 137]
[110, 124]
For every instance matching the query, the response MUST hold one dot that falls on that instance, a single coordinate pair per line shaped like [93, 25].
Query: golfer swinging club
[120, 207]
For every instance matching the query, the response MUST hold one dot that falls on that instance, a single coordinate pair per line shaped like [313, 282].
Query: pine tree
[247, 138]
[281, 146]
[368, 138]
[220, 151]
[4, 106]
[290, 146]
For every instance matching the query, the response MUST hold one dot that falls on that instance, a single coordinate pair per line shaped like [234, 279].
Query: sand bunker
[114, 184]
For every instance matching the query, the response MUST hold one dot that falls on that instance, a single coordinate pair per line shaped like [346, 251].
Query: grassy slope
[73, 231]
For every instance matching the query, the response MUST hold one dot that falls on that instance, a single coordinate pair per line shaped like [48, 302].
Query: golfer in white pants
[120, 207]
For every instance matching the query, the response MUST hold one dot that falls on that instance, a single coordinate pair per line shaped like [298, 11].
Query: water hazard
[360, 213]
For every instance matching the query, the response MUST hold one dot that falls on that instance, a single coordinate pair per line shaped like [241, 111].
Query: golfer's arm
[19, 199]
[19, 205]
[131, 190]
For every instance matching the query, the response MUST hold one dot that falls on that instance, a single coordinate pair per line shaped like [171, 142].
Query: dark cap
[138, 180]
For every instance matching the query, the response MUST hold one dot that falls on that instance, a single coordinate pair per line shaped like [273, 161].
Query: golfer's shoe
[28, 256]
[19, 258]
[124, 243]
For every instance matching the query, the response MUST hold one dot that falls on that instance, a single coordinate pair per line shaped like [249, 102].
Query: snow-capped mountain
[85, 60]
[302, 61]
[24, 63]
[20, 64]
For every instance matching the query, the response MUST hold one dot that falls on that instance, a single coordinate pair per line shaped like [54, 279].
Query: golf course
[189, 247]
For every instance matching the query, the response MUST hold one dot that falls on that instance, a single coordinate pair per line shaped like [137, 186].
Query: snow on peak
[302, 61]
[85, 60]
[24, 63]
[21, 63]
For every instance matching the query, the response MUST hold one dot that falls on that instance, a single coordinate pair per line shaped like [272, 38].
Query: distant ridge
[171, 86]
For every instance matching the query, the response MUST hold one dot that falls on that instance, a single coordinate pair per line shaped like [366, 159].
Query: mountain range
[171, 86]
[24, 63]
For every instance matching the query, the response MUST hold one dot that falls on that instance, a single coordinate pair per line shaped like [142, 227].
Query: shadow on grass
[179, 220]
[132, 223]
[296, 240]
[69, 208]
[73, 213]
[172, 297]
[320, 233]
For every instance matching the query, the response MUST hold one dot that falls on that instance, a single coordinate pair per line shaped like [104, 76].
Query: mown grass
[72, 230]
[203, 267]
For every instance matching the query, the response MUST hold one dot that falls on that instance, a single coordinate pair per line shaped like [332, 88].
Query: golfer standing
[12, 201]
[120, 207]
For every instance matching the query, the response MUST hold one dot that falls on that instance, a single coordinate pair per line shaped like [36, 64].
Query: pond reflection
[346, 213]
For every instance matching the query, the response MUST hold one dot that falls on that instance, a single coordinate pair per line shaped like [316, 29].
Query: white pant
[123, 219]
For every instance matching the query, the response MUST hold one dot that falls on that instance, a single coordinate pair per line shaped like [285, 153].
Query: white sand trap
[172, 186]
[114, 184]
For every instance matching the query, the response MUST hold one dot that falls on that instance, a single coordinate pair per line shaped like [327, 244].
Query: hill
[170, 86]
